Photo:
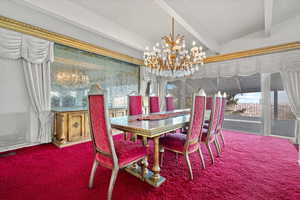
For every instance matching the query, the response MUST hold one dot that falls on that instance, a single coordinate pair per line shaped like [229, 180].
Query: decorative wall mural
[74, 71]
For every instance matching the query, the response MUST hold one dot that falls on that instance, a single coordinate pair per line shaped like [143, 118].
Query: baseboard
[17, 146]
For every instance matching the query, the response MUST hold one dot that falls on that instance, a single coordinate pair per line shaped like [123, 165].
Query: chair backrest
[154, 104]
[135, 105]
[100, 125]
[169, 103]
[214, 115]
[209, 102]
[196, 120]
[222, 112]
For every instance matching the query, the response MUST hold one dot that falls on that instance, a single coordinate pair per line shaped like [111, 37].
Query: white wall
[10, 9]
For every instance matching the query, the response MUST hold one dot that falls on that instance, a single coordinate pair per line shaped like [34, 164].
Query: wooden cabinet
[73, 127]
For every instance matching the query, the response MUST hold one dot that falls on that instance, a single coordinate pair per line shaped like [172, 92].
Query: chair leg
[217, 147]
[222, 138]
[186, 155]
[93, 171]
[162, 152]
[201, 157]
[210, 153]
[112, 182]
[219, 144]
[134, 138]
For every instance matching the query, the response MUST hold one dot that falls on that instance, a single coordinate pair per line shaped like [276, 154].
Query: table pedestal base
[148, 176]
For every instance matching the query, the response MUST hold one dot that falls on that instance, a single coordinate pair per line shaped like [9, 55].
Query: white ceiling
[138, 23]
[145, 18]
[224, 20]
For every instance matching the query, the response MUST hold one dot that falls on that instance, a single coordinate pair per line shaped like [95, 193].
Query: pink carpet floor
[251, 167]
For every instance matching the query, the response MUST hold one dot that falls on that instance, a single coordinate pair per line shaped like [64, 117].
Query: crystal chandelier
[171, 58]
[75, 78]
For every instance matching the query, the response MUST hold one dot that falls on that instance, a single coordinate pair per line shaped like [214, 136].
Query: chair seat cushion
[126, 151]
[176, 142]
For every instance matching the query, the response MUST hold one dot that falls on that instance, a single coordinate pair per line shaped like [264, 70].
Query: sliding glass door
[256, 103]
[244, 107]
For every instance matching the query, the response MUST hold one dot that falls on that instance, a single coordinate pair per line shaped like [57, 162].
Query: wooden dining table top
[154, 124]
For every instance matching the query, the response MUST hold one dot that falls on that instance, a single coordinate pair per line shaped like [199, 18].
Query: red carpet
[251, 167]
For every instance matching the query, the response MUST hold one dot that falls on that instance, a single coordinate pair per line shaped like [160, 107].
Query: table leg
[156, 168]
[145, 141]
[152, 177]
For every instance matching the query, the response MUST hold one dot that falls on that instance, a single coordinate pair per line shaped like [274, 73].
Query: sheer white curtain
[266, 103]
[162, 83]
[36, 55]
[290, 74]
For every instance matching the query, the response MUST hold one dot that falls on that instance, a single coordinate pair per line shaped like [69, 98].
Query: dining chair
[135, 107]
[154, 104]
[185, 144]
[221, 118]
[209, 135]
[110, 153]
[209, 102]
[135, 104]
[170, 107]
[169, 103]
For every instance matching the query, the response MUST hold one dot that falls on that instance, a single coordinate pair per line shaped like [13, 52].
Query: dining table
[153, 126]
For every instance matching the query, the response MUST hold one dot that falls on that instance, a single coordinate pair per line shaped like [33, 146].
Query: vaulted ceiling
[221, 26]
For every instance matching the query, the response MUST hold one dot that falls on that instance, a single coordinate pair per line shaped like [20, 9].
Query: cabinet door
[76, 126]
[61, 129]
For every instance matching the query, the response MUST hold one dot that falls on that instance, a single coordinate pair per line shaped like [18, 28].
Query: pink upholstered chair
[221, 118]
[110, 153]
[154, 104]
[135, 104]
[209, 104]
[210, 135]
[135, 107]
[186, 144]
[169, 103]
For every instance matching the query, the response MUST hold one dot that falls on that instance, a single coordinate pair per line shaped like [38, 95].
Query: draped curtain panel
[290, 74]
[266, 103]
[36, 55]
